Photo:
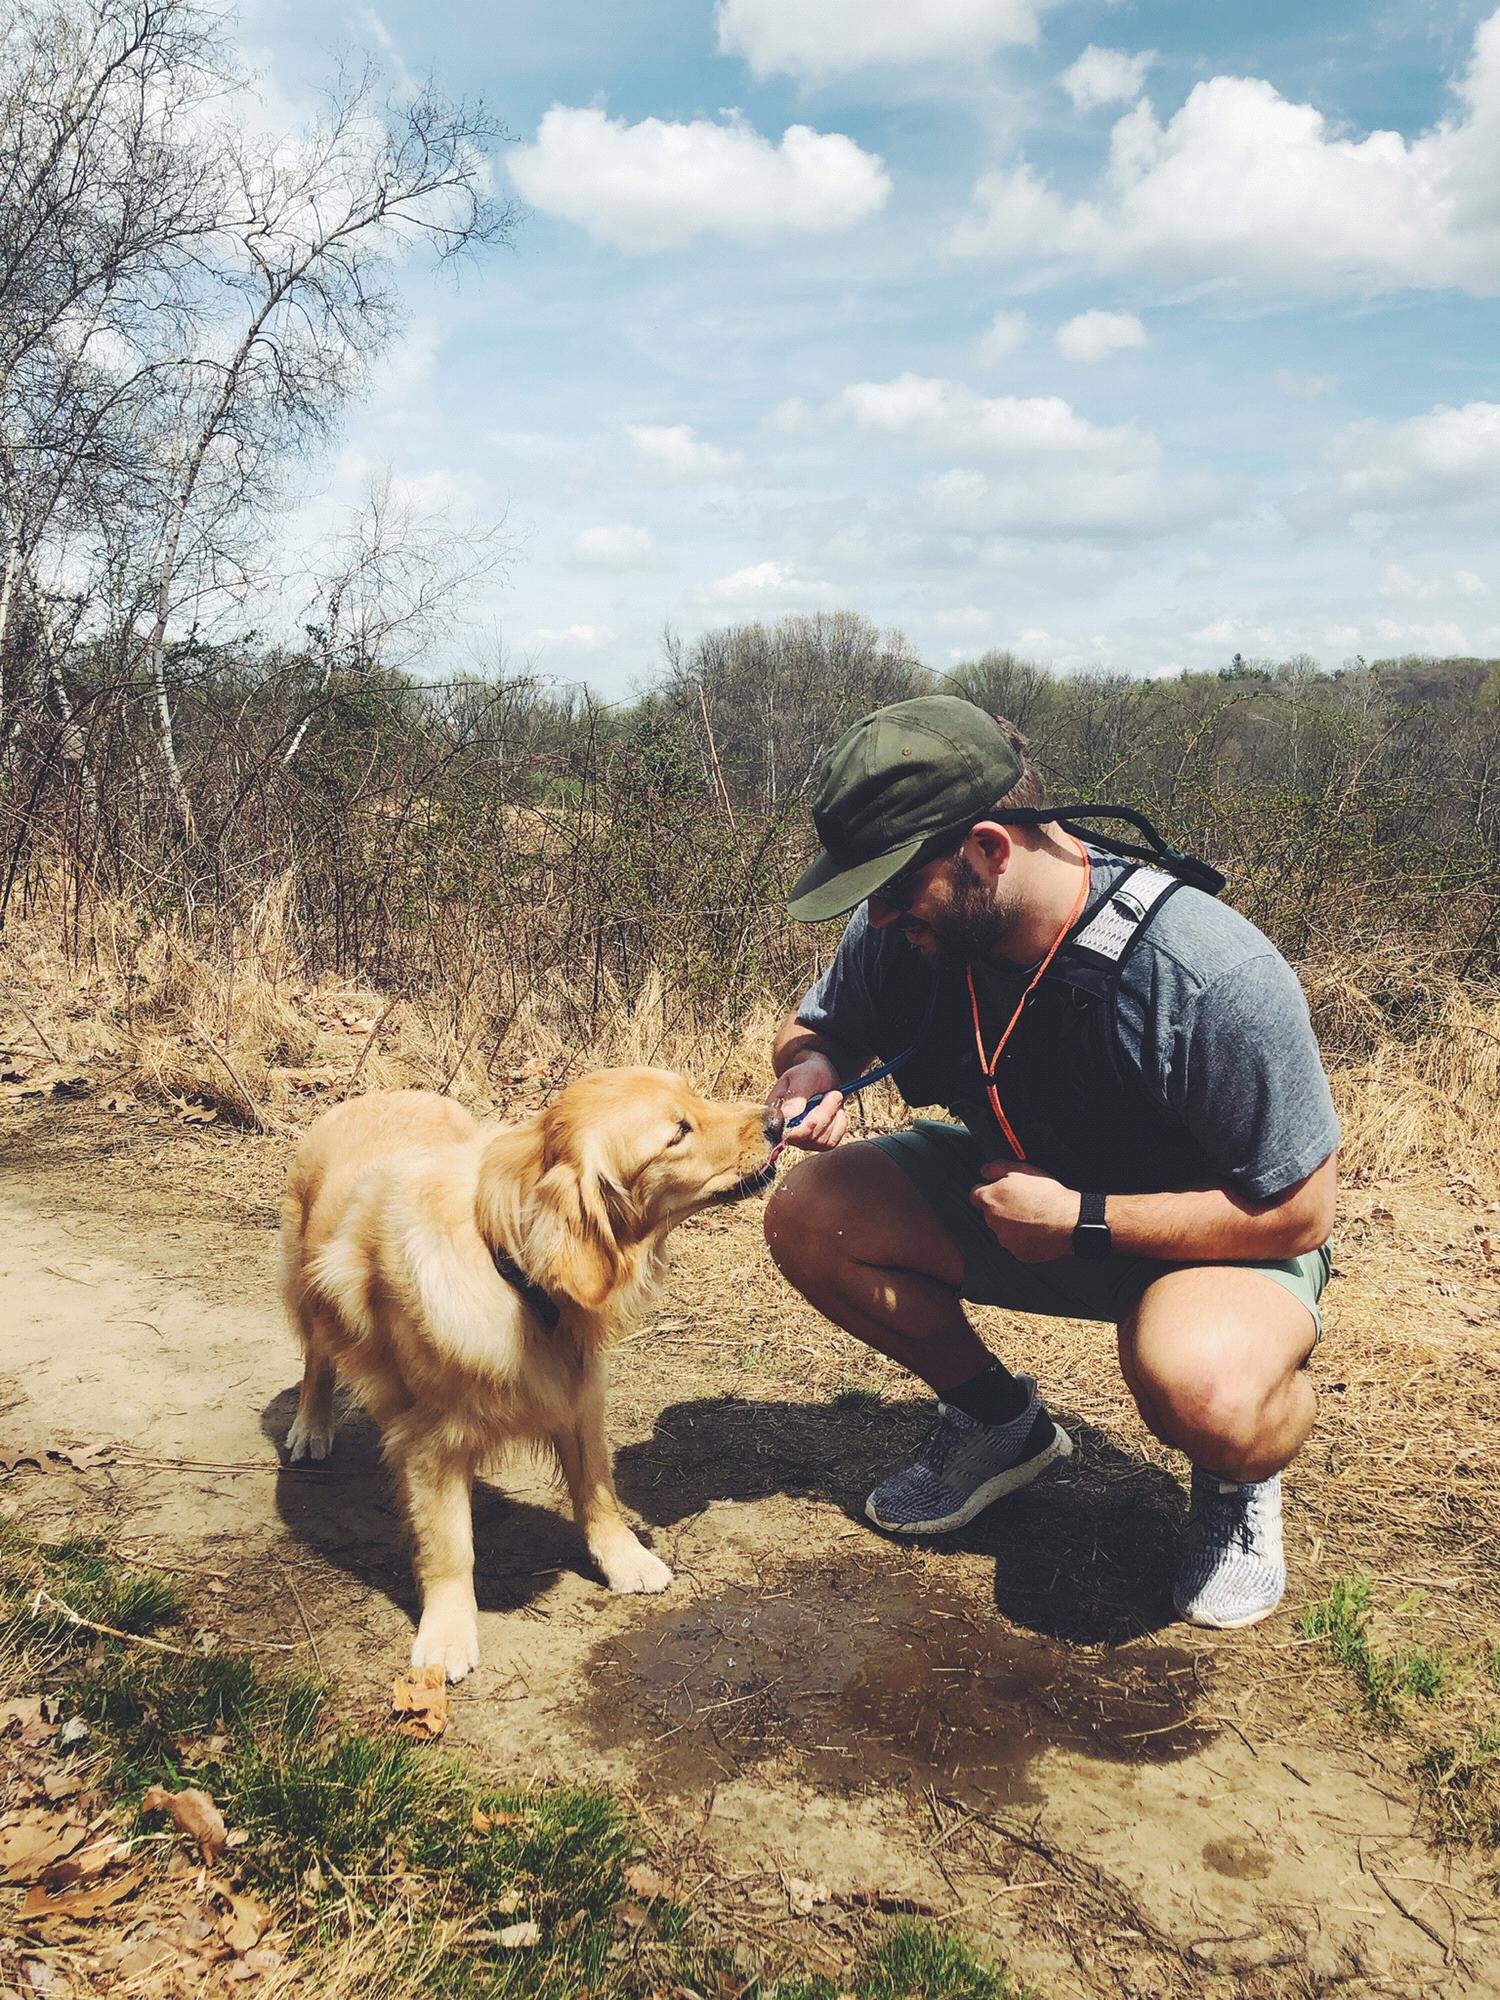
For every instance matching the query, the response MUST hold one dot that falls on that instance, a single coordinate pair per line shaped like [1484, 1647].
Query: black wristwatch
[1091, 1237]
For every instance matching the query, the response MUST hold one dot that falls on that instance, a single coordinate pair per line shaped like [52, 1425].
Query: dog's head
[621, 1156]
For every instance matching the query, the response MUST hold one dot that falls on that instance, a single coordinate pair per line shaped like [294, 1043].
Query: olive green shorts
[943, 1162]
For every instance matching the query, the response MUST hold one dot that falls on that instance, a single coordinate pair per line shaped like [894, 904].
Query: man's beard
[974, 922]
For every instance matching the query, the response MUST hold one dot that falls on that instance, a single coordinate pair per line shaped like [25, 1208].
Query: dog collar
[545, 1307]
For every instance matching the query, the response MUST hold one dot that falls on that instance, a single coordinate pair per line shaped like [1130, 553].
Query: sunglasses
[907, 884]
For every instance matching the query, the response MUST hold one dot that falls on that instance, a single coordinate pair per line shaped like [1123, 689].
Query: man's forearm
[794, 1043]
[1206, 1225]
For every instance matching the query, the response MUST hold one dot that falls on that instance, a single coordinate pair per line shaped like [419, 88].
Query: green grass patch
[855, 1396]
[394, 1868]
[1342, 1620]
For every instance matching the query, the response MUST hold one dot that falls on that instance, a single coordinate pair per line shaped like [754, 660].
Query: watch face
[1092, 1239]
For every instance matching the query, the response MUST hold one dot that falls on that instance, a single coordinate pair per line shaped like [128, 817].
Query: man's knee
[1211, 1405]
[808, 1210]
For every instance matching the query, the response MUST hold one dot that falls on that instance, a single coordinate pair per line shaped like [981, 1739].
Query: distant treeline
[560, 844]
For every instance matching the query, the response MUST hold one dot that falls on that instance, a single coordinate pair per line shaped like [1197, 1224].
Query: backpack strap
[1109, 933]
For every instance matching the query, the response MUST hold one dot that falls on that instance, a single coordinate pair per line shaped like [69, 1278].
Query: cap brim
[832, 889]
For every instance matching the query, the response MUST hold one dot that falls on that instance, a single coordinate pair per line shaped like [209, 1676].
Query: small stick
[245, 1098]
[109, 1631]
[380, 1021]
[291, 1584]
[32, 1023]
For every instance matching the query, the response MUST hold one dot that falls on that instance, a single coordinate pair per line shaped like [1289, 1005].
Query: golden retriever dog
[465, 1280]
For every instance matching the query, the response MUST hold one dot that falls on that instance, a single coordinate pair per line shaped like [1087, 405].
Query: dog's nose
[773, 1123]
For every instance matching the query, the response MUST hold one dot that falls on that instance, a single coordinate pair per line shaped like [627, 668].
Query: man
[1144, 1135]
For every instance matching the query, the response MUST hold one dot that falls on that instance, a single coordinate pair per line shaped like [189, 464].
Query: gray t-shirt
[1210, 1016]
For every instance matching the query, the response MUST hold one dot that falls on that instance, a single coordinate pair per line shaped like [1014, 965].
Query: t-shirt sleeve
[841, 1004]
[1247, 1079]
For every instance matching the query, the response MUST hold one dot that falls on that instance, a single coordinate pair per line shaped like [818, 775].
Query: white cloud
[1403, 586]
[616, 546]
[1446, 457]
[815, 40]
[964, 618]
[1293, 382]
[1004, 334]
[770, 586]
[1236, 632]
[1439, 635]
[574, 638]
[1341, 635]
[654, 185]
[1093, 336]
[1048, 471]
[1106, 76]
[949, 417]
[677, 454]
[1245, 186]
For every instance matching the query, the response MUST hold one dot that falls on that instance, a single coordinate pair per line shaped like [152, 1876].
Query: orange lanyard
[988, 1068]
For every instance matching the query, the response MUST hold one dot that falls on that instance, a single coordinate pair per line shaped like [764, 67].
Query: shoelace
[1226, 1518]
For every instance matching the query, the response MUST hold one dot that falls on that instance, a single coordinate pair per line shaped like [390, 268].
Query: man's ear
[989, 847]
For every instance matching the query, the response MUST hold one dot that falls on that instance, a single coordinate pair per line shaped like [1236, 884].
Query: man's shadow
[346, 1510]
[1083, 1555]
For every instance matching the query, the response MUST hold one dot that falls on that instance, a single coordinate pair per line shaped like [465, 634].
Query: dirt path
[1007, 1728]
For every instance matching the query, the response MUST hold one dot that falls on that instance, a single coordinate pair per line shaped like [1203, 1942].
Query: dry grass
[237, 1024]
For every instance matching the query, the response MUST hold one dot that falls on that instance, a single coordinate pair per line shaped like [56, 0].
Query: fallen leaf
[193, 1813]
[486, 1822]
[630, 1917]
[644, 1882]
[244, 1923]
[35, 1842]
[804, 1897]
[508, 1904]
[43, 1907]
[16, 1713]
[421, 1699]
[74, 1730]
[195, 1751]
[87, 1861]
[515, 1936]
[60, 1785]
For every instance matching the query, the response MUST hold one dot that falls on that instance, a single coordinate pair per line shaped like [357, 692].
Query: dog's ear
[577, 1252]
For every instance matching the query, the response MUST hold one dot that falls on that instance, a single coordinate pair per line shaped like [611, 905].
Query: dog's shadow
[1084, 1555]
[346, 1511]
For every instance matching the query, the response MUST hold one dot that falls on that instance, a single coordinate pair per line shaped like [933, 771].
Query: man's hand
[826, 1126]
[1028, 1213]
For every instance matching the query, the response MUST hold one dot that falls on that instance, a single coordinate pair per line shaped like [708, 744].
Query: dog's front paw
[309, 1438]
[449, 1640]
[633, 1568]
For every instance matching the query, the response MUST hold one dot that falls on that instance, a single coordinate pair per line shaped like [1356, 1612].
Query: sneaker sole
[1226, 1624]
[1009, 1481]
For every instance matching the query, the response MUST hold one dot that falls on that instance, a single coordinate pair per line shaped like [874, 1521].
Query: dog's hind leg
[583, 1450]
[437, 1485]
[311, 1434]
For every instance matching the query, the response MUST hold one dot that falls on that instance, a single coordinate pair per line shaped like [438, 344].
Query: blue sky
[1125, 335]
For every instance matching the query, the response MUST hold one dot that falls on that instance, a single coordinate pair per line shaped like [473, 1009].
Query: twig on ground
[45, 1597]
[291, 1584]
[245, 1098]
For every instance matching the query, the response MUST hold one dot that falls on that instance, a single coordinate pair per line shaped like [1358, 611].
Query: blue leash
[882, 1070]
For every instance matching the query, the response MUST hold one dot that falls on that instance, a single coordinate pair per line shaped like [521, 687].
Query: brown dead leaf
[193, 1752]
[644, 1882]
[486, 1822]
[631, 1917]
[44, 1907]
[244, 1923]
[60, 1785]
[193, 1813]
[804, 1897]
[515, 1937]
[16, 1714]
[92, 1859]
[36, 1842]
[421, 1699]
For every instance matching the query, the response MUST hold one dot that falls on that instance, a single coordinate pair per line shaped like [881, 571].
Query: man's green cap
[908, 774]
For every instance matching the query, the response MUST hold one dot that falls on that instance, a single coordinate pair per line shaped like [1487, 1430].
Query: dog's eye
[683, 1129]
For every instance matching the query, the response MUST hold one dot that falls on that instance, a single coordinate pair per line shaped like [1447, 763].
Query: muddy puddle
[871, 1679]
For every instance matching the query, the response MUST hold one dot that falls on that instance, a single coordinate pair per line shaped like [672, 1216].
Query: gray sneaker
[1234, 1570]
[965, 1466]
